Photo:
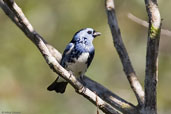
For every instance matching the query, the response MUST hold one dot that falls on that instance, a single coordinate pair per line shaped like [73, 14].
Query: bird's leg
[70, 73]
[82, 77]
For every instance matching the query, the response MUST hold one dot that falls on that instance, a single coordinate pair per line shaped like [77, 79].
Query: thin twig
[151, 77]
[146, 24]
[137, 20]
[119, 45]
[51, 56]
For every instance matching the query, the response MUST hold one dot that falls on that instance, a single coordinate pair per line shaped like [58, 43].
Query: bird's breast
[79, 66]
[83, 58]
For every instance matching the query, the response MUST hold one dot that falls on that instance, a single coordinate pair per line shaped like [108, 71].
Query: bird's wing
[67, 51]
[90, 58]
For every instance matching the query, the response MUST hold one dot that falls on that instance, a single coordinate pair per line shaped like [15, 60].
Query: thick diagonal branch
[15, 13]
[119, 45]
[106, 99]
[151, 77]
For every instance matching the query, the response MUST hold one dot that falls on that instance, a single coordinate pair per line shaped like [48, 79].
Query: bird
[76, 57]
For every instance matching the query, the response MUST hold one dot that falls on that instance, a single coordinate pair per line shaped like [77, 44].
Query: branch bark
[107, 101]
[111, 98]
[120, 47]
[151, 77]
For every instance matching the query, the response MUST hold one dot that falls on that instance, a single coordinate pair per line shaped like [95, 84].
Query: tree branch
[151, 77]
[146, 24]
[110, 97]
[119, 45]
[15, 13]
[107, 101]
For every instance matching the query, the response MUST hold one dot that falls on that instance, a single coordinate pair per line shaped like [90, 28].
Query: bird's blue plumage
[77, 56]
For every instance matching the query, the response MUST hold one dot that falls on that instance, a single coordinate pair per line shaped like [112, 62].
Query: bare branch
[52, 57]
[111, 98]
[119, 45]
[23, 23]
[15, 13]
[138, 20]
[151, 77]
[146, 24]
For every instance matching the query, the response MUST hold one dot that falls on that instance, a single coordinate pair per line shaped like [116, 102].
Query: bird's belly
[79, 66]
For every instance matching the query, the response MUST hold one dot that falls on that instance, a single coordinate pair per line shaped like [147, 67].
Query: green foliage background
[24, 75]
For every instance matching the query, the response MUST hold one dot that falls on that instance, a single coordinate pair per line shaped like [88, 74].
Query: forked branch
[120, 47]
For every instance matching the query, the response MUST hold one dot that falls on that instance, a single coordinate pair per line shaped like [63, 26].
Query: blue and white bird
[77, 57]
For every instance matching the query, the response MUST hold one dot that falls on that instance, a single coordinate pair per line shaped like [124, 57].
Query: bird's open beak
[96, 34]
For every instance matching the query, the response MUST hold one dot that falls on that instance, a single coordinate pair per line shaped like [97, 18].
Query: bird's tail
[59, 87]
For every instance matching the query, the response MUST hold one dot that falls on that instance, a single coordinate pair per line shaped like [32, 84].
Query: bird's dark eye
[85, 38]
[89, 32]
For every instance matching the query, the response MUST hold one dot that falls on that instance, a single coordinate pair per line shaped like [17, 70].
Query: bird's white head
[87, 34]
